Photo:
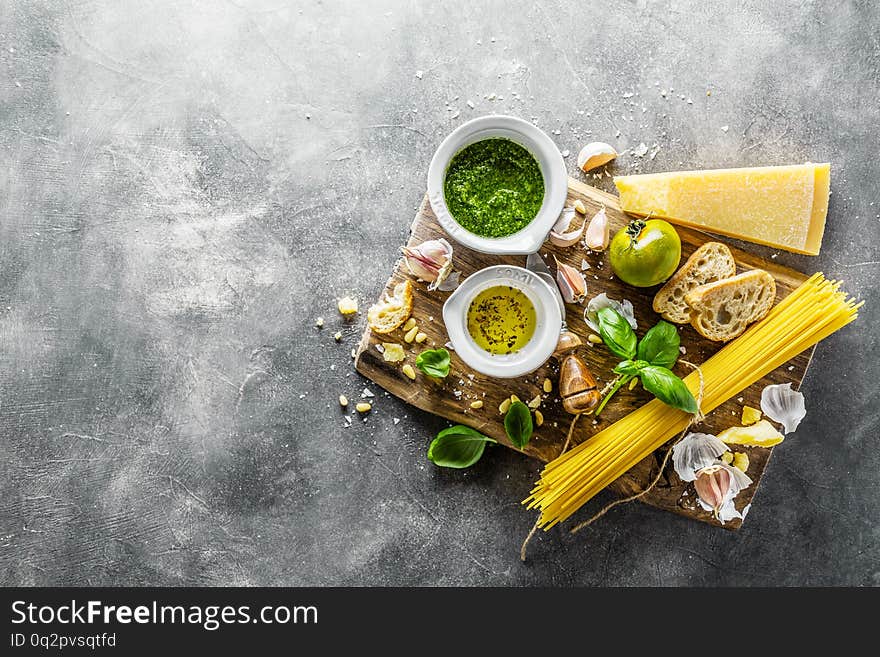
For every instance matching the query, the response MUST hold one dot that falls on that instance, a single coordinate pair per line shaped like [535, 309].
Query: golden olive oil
[501, 319]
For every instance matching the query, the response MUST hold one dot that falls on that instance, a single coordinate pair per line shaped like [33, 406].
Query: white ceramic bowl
[535, 353]
[534, 140]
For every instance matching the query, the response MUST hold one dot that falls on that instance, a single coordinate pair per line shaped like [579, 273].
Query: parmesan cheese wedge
[783, 207]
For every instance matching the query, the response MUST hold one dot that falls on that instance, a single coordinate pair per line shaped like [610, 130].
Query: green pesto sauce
[494, 187]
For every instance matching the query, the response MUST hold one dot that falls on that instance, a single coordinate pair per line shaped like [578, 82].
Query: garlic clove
[717, 485]
[694, 452]
[625, 308]
[430, 261]
[560, 235]
[572, 283]
[598, 233]
[784, 405]
[595, 154]
[712, 484]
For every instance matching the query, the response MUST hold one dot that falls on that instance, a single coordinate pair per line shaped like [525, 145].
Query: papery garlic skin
[598, 233]
[694, 452]
[560, 235]
[430, 261]
[782, 404]
[625, 308]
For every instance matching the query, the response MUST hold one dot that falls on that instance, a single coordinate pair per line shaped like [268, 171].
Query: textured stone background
[185, 186]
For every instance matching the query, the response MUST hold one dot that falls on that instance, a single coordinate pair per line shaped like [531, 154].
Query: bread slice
[724, 309]
[713, 261]
[387, 315]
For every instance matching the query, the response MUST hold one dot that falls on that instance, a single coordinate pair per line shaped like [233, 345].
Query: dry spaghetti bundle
[812, 312]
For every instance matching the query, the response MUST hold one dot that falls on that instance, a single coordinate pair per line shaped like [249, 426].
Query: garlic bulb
[694, 452]
[560, 235]
[625, 308]
[782, 404]
[431, 261]
[598, 234]
[572, 283]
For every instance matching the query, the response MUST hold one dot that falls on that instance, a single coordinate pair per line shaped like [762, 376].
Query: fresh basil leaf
[668, 388]
[631, 367]
[518, 424]
[659, 346]
[457, 447]
[617, 333]
[434, 362]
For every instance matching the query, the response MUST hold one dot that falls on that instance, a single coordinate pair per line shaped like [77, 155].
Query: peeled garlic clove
[595, 154]
[694, 452]
[784, 405]
[625, 308]
[560, 235]
[572, 283]
[598, 233]
[430, 261]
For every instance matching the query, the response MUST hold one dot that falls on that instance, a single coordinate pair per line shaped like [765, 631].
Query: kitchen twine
[696, 419]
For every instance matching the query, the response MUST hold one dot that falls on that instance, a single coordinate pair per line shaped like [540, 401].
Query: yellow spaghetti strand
[812, 312]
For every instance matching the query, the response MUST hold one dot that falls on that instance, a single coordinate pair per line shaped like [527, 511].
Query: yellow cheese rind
[783, 207]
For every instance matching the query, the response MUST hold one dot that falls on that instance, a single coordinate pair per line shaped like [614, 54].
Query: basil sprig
[434, 362]
[457, 447]
[648, 359]
[518, 424]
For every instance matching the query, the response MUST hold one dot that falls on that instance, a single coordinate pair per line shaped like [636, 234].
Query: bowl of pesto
[497, 184]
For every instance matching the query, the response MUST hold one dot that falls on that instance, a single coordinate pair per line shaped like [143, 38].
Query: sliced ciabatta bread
[713, 261]
[387, 315]
[724, 309]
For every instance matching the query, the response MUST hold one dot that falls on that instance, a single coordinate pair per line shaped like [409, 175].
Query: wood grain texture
[451, 398]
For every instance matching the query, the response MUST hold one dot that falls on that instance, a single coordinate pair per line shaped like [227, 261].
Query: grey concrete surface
[186, 185]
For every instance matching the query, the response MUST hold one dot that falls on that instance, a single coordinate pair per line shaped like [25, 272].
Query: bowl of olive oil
[503, 321]
[497, 184]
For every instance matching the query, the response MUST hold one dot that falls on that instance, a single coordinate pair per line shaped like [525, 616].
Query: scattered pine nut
[504, 406]
[411, 335]
[633, 383]
[477, 404]
[421, 337]
[409, 324]
[539, 418]
[409, 371]
[580, 207]
[337, 336]
[363, 407]
[343, 401]
[347, 306]
[548, 385]
[535, 402]
[595, 339]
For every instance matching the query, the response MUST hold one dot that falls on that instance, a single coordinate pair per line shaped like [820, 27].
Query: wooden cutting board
[451, 398]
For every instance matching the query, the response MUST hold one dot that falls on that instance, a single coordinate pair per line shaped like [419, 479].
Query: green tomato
[645, 253]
